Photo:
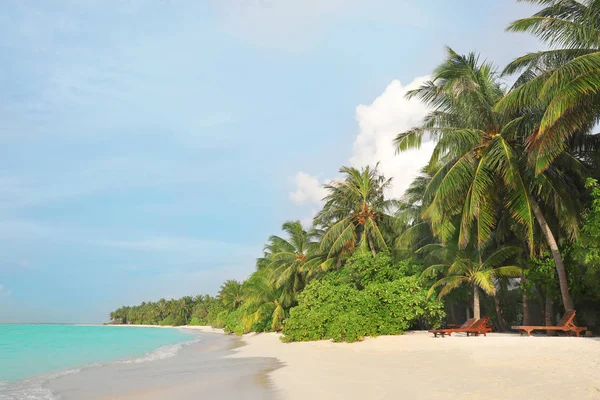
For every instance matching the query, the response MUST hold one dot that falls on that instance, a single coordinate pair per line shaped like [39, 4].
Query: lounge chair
[468, 323]
[564, 325]
[481, 326]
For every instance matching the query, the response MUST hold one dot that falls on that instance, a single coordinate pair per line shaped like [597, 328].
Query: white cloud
[4, 292]
[308, 189]
[379, 123]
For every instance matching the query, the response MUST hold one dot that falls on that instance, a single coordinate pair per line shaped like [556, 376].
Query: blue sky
[149, 148]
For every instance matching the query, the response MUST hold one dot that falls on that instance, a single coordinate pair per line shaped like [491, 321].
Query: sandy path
[417, 366]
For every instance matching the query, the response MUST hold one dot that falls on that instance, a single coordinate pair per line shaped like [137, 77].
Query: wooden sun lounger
[481, 326]
[564, 325]
[468, 323]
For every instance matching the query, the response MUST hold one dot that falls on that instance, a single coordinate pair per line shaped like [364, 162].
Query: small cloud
[4, 292]
[308, 190]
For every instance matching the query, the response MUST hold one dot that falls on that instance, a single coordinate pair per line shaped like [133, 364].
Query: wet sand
[199, 369]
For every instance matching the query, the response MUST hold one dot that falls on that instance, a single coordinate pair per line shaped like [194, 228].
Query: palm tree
[231, 294]
[478, 164]
[161, 305]
[288, 259]
[265, 300]
[414, 231]
[355, 210]
[471, 146]
[565, 79]
[185, 307]
[466, 267]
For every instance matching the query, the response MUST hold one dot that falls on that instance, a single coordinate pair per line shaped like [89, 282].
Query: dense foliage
[371, 297]
[503, 220]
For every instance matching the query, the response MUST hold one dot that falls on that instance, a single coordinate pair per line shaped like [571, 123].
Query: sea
[64, 362]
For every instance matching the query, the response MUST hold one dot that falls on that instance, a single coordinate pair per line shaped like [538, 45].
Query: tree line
[505, 216]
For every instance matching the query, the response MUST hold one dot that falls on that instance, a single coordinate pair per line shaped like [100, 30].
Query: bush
[234, 323]
[263, 325]
[220, 319]
[369, 297]
[363, 269]
[195, 321]
[401, 304]
[172, 320]
[319, 304]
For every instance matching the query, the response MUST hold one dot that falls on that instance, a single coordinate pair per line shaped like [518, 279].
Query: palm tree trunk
[499, 316]
[548, 311]
[452, 314]
[526, 315]
[372, 247]
[558, 261]
[476, 310]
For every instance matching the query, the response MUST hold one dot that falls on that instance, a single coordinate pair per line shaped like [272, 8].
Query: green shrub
[219, 319]
[263, 325]
[195, 321]
[401, 304]
[234, 323]
[329, 310]
[172, 320]
[363, 269]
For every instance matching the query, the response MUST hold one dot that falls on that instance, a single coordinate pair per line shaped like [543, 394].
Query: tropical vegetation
[504, 219]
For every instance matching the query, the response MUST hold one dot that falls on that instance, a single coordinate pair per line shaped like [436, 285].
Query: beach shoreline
[418, 366]
[198, 367]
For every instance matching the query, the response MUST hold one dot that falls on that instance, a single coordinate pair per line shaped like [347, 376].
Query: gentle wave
[33, 388]
[161, 353]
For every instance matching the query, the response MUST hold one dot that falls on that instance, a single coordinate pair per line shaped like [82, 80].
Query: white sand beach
[417, 366]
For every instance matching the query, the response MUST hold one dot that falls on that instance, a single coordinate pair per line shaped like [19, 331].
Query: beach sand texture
[417, 366]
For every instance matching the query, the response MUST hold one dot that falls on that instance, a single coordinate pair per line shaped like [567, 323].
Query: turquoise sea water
[31, 350]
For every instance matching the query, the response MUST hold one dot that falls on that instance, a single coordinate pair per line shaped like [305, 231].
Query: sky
[150, 147]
